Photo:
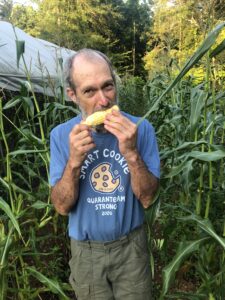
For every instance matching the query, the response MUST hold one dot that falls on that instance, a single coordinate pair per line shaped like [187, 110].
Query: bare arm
[65, 193]
[144, 183]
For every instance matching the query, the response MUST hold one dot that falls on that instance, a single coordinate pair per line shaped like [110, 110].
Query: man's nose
[102, 99]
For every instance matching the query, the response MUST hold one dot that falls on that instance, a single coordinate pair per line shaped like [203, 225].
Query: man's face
[95, 89]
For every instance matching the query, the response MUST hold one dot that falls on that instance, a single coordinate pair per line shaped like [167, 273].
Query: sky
[24, 2]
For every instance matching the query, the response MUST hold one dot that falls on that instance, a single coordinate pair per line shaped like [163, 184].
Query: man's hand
[65, 193]
[80, 141]
[124, 130]
[144, 184]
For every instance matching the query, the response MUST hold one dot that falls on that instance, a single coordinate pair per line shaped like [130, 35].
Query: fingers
[115, 122]
[81, 142]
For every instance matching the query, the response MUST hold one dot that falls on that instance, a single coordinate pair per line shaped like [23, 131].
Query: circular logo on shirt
[103, 180]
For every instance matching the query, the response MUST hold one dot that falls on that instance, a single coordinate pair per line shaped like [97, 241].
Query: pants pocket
[82, 291]
[140, 244]
[81, 266]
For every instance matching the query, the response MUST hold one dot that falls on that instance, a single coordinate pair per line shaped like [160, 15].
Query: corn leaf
[188, 144]
[5, 250]
[53, 285]
[11, 103]
[218, 49]
[20, 49]
[6, 208]
[184, 249]
[3, 284]
[208, 156]
[198, 100]
[3, 263]
[40, 205]
[29, 103]
[4, 183]
[185, 145]
[207, 226]
[18, 152]
[206, 45]
[184, 166]
[44, 222]
[152, 212]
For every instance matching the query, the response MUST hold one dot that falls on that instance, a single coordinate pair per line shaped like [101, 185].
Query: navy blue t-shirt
[107, 207]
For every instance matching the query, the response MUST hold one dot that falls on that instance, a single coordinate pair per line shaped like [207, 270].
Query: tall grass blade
[206, 45]
[6, 208]
[184, 249]
[4, 250]
[51, 284]
[207, 226]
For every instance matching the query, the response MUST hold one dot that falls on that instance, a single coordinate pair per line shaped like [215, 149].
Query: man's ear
[71, 94]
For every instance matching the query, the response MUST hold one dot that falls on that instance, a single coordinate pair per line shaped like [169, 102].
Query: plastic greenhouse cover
[42, 64]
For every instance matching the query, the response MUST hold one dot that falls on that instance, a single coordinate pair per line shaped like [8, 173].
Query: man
[104, 178]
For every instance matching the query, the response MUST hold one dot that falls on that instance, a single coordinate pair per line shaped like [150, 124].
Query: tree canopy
[118, 28]
[141, 37]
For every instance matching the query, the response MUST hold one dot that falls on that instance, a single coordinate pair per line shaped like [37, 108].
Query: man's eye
[109, 87]
[89, 92]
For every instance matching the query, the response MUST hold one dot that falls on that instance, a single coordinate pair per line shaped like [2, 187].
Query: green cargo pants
[117, 270]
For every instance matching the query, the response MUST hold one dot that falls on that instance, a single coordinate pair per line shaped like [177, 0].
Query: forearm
[65, 193]
[144, 183]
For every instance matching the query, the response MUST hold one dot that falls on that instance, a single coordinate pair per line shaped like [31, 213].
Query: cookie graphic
[102, 179]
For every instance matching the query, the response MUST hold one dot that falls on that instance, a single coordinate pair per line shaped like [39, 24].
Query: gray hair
[89, 53]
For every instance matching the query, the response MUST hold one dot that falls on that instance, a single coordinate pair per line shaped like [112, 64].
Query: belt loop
[124, 239]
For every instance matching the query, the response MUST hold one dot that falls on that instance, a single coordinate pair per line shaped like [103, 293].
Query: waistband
[110, 244]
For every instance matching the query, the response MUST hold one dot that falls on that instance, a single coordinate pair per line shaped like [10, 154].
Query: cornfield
[189, 119]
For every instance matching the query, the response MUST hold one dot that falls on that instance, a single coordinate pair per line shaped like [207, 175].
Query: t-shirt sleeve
[57, 159]
[148, 148]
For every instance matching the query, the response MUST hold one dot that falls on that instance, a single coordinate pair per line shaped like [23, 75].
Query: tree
[5, 9]
[179, 27]
[132, 32]
[116, 27]
[25, 17]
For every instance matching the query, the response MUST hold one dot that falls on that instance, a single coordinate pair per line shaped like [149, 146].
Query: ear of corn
[98, 117]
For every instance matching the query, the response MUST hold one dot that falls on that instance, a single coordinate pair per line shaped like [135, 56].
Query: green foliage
[189, 212]
[179, 26]
[190, 127]
[132, 96]
[118, 28]
[33, 245]
[6, 7]
[25, 17]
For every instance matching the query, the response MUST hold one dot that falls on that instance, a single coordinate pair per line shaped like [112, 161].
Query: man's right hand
[80, 142]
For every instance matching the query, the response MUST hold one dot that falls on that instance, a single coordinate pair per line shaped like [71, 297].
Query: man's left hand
[124, 130]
